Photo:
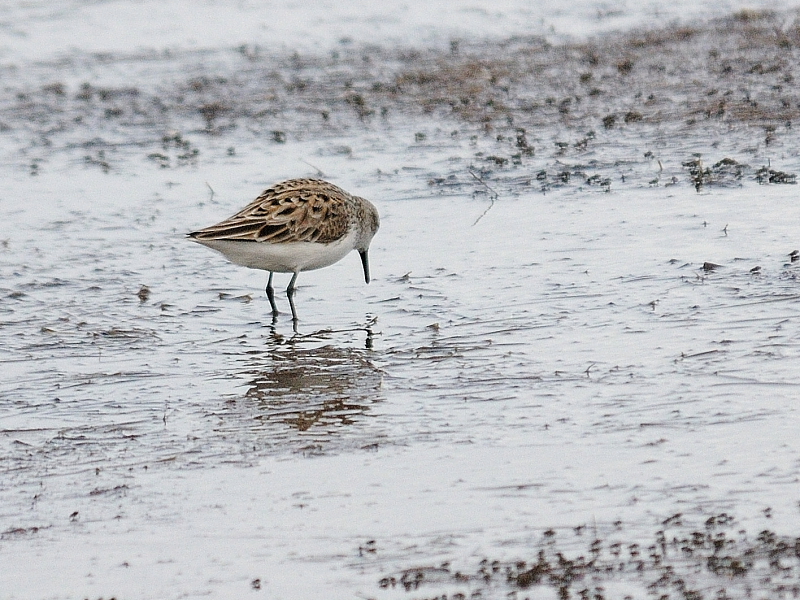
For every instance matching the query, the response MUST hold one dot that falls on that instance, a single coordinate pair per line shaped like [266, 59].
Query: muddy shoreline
[616, 105]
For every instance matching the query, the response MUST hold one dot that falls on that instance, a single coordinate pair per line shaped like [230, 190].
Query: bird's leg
[290, 294]
[271, 295]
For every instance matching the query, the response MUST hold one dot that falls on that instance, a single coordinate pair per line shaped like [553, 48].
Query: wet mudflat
[574, 374]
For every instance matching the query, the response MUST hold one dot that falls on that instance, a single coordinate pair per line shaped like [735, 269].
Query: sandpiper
[296, 225]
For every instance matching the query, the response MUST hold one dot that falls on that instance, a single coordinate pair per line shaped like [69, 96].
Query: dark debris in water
[714, 561]
[767, 175]
[728, 172]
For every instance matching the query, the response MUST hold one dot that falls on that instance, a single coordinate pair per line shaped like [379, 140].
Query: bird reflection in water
[318, 390]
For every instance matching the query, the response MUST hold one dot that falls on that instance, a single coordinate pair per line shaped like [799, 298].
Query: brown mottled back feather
[297, 210]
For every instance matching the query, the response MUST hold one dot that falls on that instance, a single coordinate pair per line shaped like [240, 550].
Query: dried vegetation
[714, 561]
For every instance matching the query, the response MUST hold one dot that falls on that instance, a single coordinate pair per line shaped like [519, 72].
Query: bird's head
[370, 222]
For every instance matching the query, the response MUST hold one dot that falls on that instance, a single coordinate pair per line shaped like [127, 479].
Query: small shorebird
[296, 225]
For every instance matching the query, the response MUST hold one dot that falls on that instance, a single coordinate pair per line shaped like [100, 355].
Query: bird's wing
[298, 210]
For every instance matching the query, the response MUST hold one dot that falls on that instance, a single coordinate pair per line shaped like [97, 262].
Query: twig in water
[492, 197]
[317, 169]
[324, 333]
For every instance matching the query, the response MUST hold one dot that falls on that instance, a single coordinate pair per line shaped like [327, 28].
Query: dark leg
[290, 294]
[271, 295]
[368, 344]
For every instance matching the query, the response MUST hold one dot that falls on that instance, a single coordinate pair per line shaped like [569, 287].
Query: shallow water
[527, 357]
